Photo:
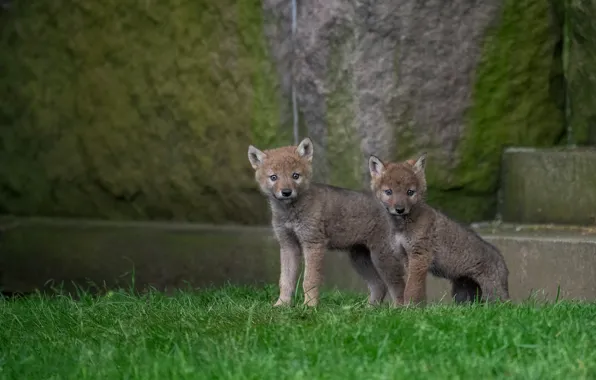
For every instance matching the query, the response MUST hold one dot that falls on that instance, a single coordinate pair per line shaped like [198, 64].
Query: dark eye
[410, 193]
[388, 192]
[273, 177]
[295, 175]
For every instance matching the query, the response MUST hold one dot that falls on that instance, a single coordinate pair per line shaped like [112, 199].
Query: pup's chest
[403, 240]
[298, 224]
[301, 229]
[288, 220]
[293, 225]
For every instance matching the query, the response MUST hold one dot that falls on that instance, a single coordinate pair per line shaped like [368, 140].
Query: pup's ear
[420, 164]
[376, 166]
[305, 149]
[255, 157]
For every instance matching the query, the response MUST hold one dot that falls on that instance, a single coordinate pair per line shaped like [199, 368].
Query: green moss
[145, 110]
[518, 99]
[266, 102]
[456, 203]
[345, 161]
[134, 111]
[461, 205]
[513, 103]
[581, 63]
[405, 139]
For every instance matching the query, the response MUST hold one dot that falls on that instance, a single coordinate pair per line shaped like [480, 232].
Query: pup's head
[399, 186]
[283, 173]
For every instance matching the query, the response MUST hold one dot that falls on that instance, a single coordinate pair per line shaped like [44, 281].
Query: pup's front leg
[390, 269]
[289, 255]
[313, 272]
[418, 265]
[362, 263]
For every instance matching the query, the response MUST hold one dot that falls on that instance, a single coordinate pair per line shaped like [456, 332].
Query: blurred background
[124, 127]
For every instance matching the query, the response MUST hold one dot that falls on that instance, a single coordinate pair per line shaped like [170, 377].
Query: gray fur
[318, 217]
[433, 242]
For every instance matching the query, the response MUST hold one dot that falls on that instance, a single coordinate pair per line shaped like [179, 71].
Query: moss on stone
[266, 99]
[518, 99]
[513, 103]
[343, 150]
[134, 111]
[461, 205]
[144, 110]
[581, 63]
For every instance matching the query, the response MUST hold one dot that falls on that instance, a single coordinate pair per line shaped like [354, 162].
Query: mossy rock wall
[517, 96]
[460, 80]
[144, 110]
[134, 109]
[580, 69]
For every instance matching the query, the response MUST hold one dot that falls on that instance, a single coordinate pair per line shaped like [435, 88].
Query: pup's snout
[286, 192]
[400, 210]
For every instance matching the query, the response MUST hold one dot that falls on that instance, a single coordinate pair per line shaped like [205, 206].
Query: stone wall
[144, 110]
[580, 62]
[460, 80]
[135, 110]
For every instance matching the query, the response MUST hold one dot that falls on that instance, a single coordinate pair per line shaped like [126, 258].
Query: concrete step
[549, 186]
[34, 253]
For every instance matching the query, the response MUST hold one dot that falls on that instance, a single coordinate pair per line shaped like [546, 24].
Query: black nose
[400, 210]
[286, 192]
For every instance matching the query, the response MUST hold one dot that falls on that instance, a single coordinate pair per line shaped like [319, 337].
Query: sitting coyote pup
[433, 242]
[310, 218]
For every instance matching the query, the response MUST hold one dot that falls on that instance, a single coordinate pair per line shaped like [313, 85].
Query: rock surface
[41, 253]
[136, 111]
[549, 186]
[146, 111]
[395, 78]
[580, 62]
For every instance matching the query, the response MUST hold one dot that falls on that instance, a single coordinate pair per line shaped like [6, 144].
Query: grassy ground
[234, 333]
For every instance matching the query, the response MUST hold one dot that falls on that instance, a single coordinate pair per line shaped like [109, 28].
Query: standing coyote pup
[310, 218]
[433, 242]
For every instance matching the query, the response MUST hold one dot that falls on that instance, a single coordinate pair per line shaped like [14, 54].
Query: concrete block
[549, 186]
[36, 253]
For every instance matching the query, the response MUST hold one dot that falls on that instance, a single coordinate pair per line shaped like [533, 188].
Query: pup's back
[348, 217]
[458, 246]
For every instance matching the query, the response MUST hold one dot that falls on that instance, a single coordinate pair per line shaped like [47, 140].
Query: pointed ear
[376, 166]
[305, 149]
[255, 157]
[420, 164]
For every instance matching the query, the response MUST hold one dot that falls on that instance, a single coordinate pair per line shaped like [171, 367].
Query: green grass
[234, 333]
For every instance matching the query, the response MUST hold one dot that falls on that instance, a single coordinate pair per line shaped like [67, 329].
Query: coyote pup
[309, 218]
[433, 242]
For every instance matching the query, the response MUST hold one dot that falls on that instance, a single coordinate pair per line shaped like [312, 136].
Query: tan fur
[312, 218]
[433, 242]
